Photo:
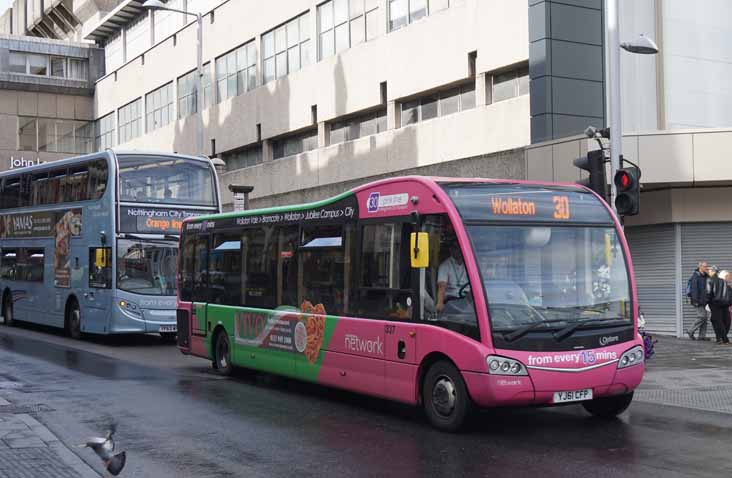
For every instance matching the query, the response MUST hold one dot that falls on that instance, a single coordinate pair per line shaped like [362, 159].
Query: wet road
[176, 418]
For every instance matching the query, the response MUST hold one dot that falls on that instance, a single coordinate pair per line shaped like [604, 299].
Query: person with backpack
[720, 298]
[696, 290]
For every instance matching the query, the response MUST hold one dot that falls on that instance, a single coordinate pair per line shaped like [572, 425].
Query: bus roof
[97, 155]
[431, 182]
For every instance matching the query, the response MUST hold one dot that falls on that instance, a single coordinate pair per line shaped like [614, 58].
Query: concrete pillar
[267, 151]
[393, 118]
[323, 134]
[481, 94]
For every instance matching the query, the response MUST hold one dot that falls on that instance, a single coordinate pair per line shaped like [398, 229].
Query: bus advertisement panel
[107, 226]
[452, 294]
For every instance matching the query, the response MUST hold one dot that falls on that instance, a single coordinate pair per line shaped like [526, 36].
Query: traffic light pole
[612, 81]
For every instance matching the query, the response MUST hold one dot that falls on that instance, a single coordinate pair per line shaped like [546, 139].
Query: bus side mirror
[101, 260]
[419, 245]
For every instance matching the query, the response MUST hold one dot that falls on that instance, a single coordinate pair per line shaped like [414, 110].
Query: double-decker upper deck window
[164, 180]
[159, 107]
[287, 48]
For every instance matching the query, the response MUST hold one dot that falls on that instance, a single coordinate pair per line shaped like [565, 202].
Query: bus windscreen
[166, 180]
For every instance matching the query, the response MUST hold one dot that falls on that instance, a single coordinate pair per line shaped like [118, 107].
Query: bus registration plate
[168, 328]
[573, 396]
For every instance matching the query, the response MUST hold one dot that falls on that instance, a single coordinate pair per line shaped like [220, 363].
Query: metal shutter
[653, 250]
[711, 242]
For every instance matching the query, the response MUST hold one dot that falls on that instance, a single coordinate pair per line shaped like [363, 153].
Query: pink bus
[446, 293]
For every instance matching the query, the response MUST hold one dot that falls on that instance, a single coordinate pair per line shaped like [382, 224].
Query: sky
[4, 5]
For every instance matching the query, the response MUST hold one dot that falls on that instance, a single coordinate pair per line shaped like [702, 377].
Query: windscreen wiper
[520, 332]
[562, 334]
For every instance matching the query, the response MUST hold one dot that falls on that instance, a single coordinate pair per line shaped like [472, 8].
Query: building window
[104, 132]
[236, 72]
[113, 53]
[510, 84]
[138, 37]
[207, 95]
[159, 107]
[358, 127]
[187, 95]
[130, 119]
[295, 144]
[346, 23]
[404, 12]
[243, 158]
[438, 104]
[286, 48]
[55, 136]
[43, 65]
[167, 22]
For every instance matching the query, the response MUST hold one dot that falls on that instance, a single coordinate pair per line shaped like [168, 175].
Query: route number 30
[561, 207]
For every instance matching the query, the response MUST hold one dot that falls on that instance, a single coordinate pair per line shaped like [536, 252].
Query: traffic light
[627, 184]
[594, 164]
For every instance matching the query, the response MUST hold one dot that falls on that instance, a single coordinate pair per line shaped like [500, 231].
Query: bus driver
[451, 277]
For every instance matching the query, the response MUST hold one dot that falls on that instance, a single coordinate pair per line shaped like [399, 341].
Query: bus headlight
[505, 366]
[128, 306]
[632, 357]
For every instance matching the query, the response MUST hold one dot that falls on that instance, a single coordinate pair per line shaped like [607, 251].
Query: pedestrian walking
[726, 318]
[720, 298]
[697, 292]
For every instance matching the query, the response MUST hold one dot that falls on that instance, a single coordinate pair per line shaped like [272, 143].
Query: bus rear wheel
[8, 311]
[445, 397]
[222, 354]
[608, 407]
[73, 321]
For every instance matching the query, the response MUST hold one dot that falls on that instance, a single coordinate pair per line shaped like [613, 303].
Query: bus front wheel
[608, 407]
[222, 354]
[445, 397]
[73, 323]
[8, 310]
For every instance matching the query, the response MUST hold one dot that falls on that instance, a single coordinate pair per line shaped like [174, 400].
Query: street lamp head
[641, 45]
[154, 5]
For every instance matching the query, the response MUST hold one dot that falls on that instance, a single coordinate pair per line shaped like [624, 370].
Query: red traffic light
[626, 179]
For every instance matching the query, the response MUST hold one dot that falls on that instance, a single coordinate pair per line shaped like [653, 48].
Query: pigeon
[104, 448]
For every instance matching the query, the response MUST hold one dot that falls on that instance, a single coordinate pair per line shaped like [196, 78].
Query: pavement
[177, 419]
[29, 450]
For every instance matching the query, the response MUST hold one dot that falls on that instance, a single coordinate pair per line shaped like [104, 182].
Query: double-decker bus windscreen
[166, 180]
[548, 257]
[147, 267]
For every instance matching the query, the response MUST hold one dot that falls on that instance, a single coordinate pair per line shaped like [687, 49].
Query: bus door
[199, 313]
[96, 298]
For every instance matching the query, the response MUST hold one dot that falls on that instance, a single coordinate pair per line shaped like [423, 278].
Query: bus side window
[385, 283]
[186, 267]
[322, 271]
[225, 275]
[287, 266]
[258, 247]
[100, 267]
[200, 269]
[9, 264]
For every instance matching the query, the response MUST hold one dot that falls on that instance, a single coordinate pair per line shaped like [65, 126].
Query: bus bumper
[124, 322]
[540, 385]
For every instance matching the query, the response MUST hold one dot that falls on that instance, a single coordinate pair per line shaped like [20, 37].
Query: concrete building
[306, 98]
[46, 99]
[677, 114]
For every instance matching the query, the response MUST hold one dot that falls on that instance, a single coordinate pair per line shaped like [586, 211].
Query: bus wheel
[445, 397]
[222, 354]
[74, 321]
[8, 310]
[608, 407]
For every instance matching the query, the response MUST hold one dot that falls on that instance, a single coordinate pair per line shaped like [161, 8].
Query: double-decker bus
[91, 243]
[447, 293]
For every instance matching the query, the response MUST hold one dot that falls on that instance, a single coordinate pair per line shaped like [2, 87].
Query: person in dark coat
[719, 295]
[698, 296]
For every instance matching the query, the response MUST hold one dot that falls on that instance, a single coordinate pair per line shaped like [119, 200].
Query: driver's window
[447, 295]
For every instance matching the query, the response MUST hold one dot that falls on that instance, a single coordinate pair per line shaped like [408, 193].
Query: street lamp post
[198, 84]
[642, 45]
